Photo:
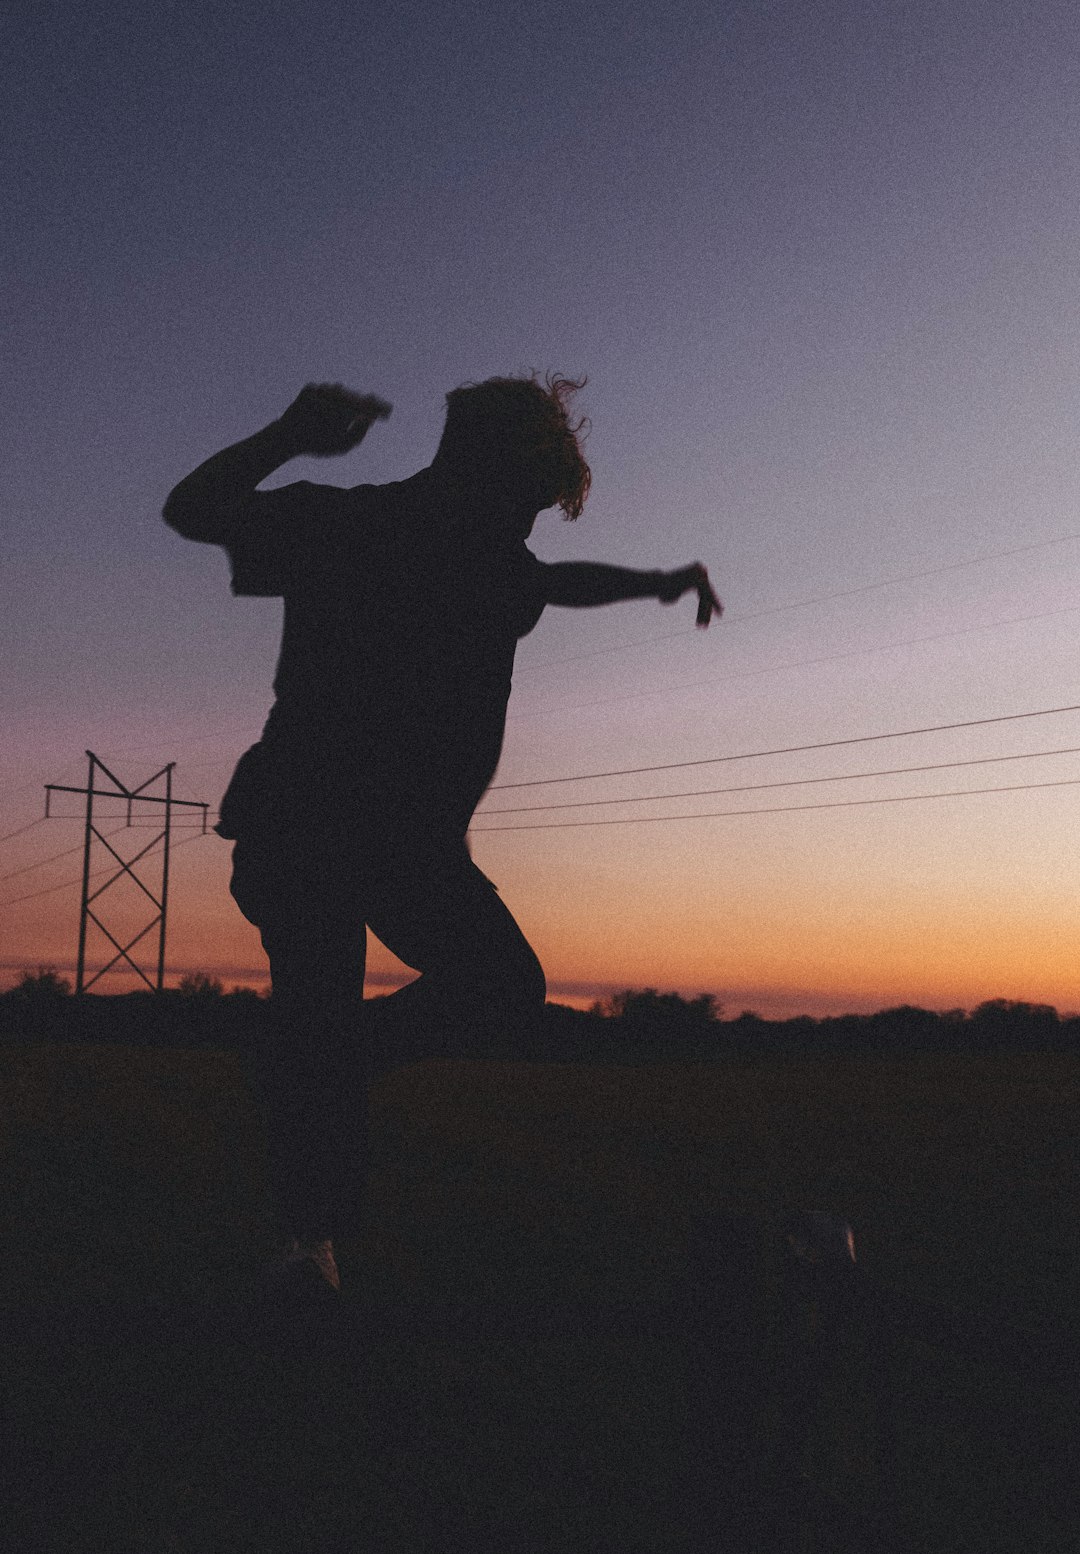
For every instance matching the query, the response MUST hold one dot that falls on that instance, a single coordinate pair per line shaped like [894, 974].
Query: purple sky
[819, 263]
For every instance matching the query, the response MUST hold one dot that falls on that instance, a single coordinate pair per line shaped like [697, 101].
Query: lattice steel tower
[131, 796]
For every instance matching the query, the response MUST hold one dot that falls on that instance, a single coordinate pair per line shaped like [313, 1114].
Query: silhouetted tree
[197, 985]
[837, 1032]
[648, 1007]
[797, 1034]
[648, 1016]
[1002, 1026]
[43, 984]
[906, 1028]
[38, 1007]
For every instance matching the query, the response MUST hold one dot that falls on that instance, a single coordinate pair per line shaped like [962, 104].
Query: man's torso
[402, 614]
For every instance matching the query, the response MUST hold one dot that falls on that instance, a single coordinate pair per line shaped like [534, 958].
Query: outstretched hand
[326, 418]
[692, 577]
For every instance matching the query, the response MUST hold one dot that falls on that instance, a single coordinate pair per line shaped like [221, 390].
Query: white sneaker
[320, 1253]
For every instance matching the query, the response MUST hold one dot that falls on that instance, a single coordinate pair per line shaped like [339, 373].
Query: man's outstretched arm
[584, 583]
[323, 419]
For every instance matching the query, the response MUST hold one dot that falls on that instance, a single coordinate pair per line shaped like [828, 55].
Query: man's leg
[311, 1068]
[481, 988]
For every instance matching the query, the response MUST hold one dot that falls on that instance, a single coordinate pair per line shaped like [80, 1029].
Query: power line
[23, 829]
[525, 715]
[620, 647]
[63, 885]
[35, 782]
[910, 577]
[55, 856]
[804, 604]
[791, 782]
[782, 809]
[97, 873]
[135, 825]
[751, 755]
[41, 863]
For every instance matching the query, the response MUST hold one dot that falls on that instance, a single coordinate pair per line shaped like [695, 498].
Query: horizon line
[830, 1006]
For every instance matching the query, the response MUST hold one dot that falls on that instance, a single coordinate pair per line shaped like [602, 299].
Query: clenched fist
[326, 418]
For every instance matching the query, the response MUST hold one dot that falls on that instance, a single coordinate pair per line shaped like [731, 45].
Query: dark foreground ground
[517, 1363]
[361, 1427]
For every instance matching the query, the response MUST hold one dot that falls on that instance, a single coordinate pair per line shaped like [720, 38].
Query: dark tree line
[634, 1025]
[698, 1025]
[197, 1013]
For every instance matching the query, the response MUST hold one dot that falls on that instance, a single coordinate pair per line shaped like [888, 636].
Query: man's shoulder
[317, 492]
[332, 512]
[416, 487]
[391, 498]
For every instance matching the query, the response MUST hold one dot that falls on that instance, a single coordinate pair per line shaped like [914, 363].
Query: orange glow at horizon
[784, 921]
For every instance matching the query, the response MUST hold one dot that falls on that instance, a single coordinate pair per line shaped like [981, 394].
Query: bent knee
[513, 982]
[531, 984]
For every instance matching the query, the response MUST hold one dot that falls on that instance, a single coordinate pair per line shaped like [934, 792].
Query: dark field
[509, 1369]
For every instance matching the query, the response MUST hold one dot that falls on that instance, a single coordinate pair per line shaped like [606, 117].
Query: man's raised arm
[580, 584]
[323, 419]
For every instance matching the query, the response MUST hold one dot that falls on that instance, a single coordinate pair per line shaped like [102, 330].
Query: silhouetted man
[404, 604]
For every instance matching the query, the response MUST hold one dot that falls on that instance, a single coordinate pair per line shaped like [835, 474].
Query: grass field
[563, 1187]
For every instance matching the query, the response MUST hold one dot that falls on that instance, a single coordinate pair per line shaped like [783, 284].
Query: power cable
[41, 863]
[804, 604]
[910, 577]
[67, 852]
[620, 647]
[752, 755]
[50, 889]
[36, 782]
[791, 782]
[77, 880]
[783, 809]
[7, 837]
[525, 715]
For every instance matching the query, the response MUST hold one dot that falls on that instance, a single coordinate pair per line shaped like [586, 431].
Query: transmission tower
[131, 797]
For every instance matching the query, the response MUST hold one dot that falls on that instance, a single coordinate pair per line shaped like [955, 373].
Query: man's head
[514, 436]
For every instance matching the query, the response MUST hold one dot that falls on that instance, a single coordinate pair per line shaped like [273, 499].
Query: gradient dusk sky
[821, 265]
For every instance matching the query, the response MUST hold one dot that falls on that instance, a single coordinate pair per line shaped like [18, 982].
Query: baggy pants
[480, 984]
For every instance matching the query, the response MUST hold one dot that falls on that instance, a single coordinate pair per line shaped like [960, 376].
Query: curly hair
[522, 427]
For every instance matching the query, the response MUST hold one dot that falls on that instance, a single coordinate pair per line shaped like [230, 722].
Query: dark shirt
[402, 616]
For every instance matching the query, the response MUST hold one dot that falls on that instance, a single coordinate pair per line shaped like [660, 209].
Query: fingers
[366, 407]
[361, 423]
[369, 412]
[708, 602]
[335, 396]
[328, 418]
[378, 409]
